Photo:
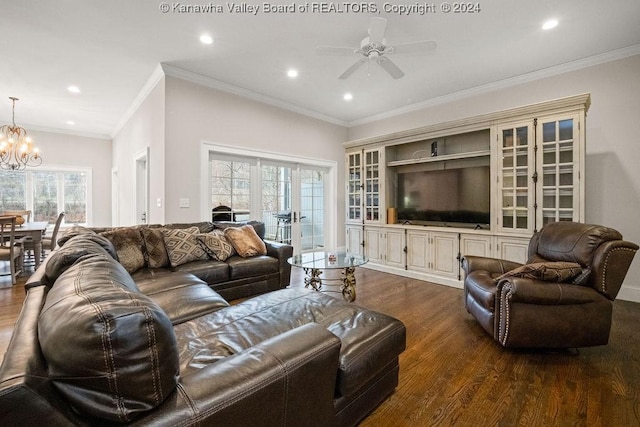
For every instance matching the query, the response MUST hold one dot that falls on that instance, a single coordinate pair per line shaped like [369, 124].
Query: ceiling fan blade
[353, 68]
[335, 50]
[423, 46]
[390, 67]
[377, 27]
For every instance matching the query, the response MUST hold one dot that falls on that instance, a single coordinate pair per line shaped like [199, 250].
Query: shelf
[441, 158]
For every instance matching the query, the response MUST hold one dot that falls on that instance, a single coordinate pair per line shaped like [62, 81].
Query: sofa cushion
[245, 241]
[257, 225]
[216, 245]
[110, 351]
[182, 245]
[154, 249]
[240, 268]
[547, 271]
[182, 296]
[128, 243]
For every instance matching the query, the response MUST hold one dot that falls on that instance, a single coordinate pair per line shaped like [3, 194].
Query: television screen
[455, 197]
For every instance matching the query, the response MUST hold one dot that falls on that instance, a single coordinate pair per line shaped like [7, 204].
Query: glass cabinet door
[372, 185]
[354, 186]
[515, 166]
[557, 162]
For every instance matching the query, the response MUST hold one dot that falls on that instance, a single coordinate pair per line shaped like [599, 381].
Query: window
[47, 193]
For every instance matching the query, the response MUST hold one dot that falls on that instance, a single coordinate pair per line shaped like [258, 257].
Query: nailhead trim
[606, 263]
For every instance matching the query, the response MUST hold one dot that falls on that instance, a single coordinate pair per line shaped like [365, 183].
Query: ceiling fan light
[549, 24]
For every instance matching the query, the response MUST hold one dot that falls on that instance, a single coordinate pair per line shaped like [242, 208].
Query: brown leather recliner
[551, 312]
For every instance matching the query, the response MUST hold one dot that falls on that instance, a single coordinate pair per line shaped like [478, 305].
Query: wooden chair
[48, 243]
[9, 251]
[22, 216]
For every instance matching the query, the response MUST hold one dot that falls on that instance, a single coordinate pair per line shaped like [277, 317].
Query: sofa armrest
[492, 265]
[282, 252]
[286, 380]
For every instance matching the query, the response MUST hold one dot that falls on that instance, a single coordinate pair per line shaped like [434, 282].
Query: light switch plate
[184, 203]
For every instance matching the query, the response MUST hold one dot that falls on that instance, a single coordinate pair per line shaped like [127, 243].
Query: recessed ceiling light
[293, 73]
[73, 89]
[551, 23]
[348, 97]
[206, 39]
[71, 122]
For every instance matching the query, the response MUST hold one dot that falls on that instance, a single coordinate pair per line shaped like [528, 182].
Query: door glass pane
[312, 209]
[231, 187]
[507, 138]
[522, 136]
[276, 202]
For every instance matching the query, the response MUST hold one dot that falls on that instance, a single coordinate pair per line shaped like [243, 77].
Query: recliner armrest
[532, 291]
[286, 380]
[492, 265]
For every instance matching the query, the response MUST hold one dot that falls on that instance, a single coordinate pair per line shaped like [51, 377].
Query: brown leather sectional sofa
[95, 345]
[234, 278]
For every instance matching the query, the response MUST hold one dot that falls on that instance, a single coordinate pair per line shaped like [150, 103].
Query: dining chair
[22, 216]
[48, 243]
[9, 251]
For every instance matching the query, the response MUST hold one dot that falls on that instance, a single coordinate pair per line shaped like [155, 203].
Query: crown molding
[153, 80]
[192, 77]
[69, 132]
[505, 83]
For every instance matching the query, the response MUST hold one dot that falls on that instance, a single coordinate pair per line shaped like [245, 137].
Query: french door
[289, 197]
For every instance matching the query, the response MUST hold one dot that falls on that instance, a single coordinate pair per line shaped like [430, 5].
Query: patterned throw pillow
[548, 271]
[245, 241]
[156, 252]
[216, 245]
[182, 245]
[128, 243]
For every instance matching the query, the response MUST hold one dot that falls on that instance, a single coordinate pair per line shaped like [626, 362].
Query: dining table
[34, 230]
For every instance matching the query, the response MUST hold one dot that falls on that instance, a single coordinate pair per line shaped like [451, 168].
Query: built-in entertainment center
[418, 200]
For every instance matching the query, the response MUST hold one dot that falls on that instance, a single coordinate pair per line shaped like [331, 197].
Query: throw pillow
[155, 250]
[216, 245]
[558, 271]
[245, 241]
[182, 245]
[128, 243]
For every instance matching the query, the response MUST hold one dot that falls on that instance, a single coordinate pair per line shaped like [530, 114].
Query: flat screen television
[449, 197]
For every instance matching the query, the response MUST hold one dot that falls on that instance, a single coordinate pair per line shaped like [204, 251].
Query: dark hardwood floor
[453, 373]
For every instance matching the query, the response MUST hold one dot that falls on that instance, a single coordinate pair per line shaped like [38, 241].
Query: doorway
[142, 187]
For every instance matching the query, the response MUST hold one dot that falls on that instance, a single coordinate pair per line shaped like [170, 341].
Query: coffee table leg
[313, 278]
[349, 284]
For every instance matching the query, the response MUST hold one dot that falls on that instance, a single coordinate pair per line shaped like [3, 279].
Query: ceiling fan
[374, 48]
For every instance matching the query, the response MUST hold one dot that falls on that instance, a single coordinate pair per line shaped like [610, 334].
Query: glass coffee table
[314, 263]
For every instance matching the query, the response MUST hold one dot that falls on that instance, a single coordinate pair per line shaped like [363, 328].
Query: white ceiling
[110, 49]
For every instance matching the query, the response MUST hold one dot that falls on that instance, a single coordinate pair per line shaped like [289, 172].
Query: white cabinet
[539, 171]
[512, 248]
[365, 188]
[535, 156]
[433, 253]
[355, 239]
[476, 245]
[385, 246]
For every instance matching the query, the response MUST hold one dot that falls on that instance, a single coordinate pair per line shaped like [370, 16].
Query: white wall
[145, 128]
[195, 113]
[79, 151]
[613, 139]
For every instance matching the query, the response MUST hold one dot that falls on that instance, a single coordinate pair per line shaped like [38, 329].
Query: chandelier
[16, 148]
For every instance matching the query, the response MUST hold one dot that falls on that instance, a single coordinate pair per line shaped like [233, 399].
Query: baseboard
[628, 293]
